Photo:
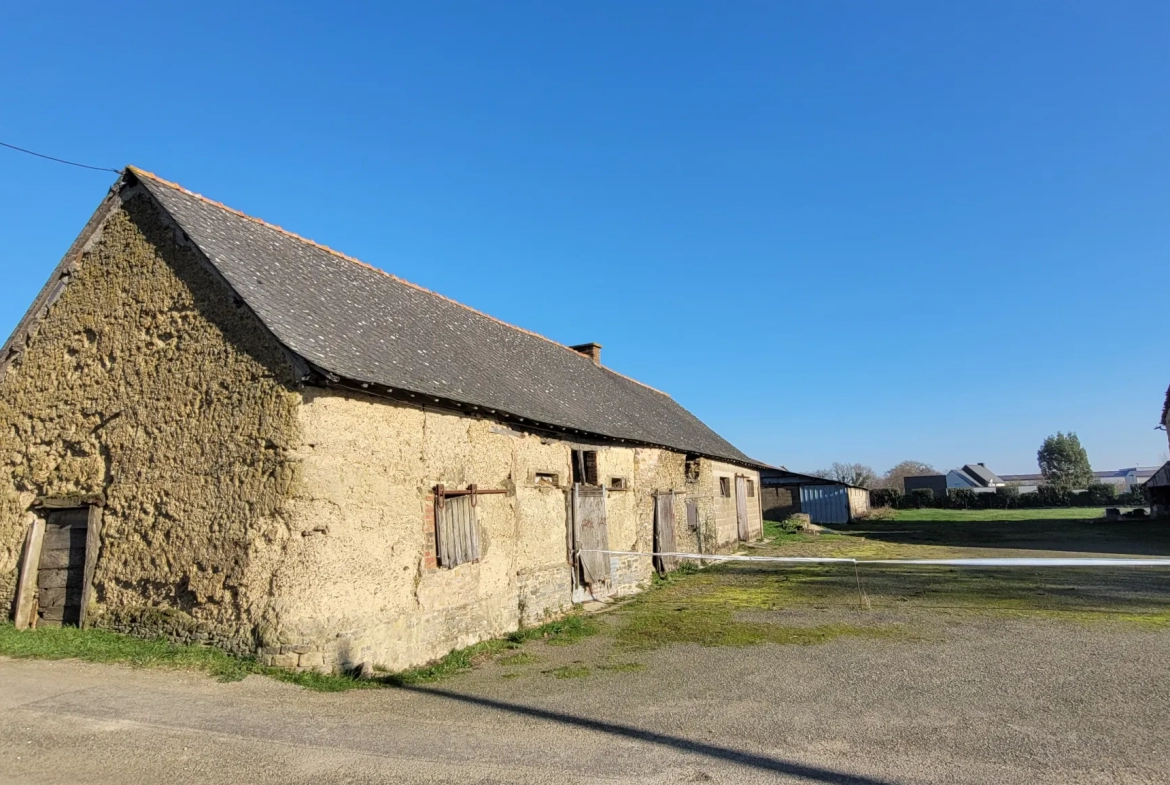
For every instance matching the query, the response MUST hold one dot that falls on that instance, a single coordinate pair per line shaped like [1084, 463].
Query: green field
[1057, 513]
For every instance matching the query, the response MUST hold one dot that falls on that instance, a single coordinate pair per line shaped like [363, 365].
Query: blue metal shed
[825, 503]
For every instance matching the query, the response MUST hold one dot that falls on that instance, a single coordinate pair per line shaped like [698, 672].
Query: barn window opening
[725, 487]
[456, 530]
[546, 480]
[617, 483]
[585, 467]
[692, 467]
[751, 487]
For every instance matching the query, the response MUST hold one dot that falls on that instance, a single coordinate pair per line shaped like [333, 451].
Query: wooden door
[590, 533]
[61, 575]
[741, 507]
[664, 541]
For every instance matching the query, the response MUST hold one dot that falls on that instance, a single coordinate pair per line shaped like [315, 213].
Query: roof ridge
[293, 235]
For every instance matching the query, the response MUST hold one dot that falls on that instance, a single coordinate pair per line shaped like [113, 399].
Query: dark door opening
[61, 574]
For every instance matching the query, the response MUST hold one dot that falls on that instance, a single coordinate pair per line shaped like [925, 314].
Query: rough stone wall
[148, 386]
[355, 578]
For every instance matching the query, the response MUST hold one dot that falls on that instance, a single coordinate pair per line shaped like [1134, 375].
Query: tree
[895, 477]
[849, 473]
[1064, 462]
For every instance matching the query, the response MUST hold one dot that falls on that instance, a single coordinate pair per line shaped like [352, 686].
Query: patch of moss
[623, 667]
[561, 632]
[568, 672]
[651, 627]
[519, 658]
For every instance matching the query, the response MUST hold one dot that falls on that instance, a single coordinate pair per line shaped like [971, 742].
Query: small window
[692, 467]
[456, 531]
[585, 467]
[725, 487]
[751, 487]
[617, 483]
[546, 480]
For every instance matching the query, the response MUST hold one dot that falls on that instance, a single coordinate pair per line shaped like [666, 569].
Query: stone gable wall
[145, 385]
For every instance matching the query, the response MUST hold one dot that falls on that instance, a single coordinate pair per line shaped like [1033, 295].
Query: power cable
[60, 160]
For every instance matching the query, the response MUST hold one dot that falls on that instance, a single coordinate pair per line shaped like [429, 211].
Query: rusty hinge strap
[473, 491]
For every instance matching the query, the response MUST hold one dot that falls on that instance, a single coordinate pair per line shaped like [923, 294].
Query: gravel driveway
[909, 690]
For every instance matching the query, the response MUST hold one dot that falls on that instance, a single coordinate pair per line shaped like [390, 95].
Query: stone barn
[215, 430]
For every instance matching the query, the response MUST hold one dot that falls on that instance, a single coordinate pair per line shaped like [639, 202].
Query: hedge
[1008, 497]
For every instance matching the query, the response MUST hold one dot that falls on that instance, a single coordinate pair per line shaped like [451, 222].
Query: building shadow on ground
[712, 751]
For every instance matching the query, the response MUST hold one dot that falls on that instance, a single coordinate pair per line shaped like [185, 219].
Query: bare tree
[850, 473]
[895, 477]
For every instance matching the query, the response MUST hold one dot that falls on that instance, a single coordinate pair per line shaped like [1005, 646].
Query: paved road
[978, 700]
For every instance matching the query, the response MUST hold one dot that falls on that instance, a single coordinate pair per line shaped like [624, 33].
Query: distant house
[784, 493]
[972, 476]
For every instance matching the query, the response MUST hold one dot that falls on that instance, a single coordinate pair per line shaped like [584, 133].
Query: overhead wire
[59, 160]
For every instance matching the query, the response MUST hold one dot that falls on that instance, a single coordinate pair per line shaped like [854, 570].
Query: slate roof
[982, 475]
[777, 476]
[365, 325]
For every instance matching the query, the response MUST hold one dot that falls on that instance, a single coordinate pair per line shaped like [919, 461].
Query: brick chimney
[590, 350]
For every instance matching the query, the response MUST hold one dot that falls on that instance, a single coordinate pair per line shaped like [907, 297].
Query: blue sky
[834, 231]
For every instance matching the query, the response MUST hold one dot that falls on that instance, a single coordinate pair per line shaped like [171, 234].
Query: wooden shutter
[456, 530]
[664, 541]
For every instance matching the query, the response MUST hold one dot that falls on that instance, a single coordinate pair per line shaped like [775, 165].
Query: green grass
[962, 516]
[562, 632]
[622, 667]
[519, 658]
[713, 609]
[59, 643]
[785, 531]
[568, 672]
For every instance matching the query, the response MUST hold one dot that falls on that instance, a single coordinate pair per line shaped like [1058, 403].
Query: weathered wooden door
[590, 533]
[664, 541]
[61, 575]
[741, 507]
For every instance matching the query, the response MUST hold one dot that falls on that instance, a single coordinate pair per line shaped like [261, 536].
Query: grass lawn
[1057, 513]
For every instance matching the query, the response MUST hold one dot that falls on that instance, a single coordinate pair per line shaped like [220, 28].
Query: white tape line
[993, 562]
